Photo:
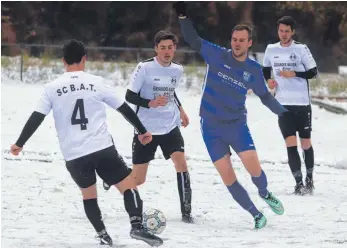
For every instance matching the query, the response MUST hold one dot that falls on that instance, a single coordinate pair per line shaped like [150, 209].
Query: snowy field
[42, 207]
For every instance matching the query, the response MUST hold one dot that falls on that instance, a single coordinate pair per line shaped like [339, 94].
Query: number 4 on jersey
[79, 107]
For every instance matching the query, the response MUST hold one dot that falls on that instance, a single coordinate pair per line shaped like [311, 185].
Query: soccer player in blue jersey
[230, 73]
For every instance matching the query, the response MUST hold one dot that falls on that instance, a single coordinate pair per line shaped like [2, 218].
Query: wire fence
[40, 62]
[103, 54]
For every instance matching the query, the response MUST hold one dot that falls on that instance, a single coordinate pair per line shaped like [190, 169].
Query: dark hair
[165, 35]
[241, 27]
[73, 51]
[287, 20]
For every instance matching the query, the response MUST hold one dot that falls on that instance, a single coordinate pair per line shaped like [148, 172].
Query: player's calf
[241, 196]
[185, 194]
[295, 167]
[93, 213]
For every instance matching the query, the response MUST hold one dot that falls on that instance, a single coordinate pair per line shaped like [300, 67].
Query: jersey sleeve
[137, 78]
[110, 96]
[307, 58]
[258, 83]
[209, 51]
[44, 105]
[266, 60]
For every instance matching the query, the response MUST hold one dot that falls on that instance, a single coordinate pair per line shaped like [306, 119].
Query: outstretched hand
[181, 8]
[15, 150]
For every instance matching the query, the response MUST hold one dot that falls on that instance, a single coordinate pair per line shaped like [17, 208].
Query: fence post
[21, 61]
[137, 56]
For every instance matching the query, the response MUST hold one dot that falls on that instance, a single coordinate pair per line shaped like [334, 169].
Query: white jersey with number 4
[78, 103]
[150, 79]
[296, 57]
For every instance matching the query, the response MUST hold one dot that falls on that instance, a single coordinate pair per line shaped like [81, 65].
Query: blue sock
[261, 183]
[241, 197]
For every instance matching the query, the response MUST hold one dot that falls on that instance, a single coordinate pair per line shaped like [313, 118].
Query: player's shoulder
[145, 63]
[253, 63]
[91, 76]
[148, 60]
[273, 45]
[298, 44]
[214, 45]
[174, 64]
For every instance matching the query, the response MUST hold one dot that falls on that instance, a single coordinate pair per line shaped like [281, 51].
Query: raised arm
[190, 34]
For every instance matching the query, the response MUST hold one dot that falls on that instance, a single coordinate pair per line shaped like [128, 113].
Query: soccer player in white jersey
[78, 102]
[293, 64]
[152, 90]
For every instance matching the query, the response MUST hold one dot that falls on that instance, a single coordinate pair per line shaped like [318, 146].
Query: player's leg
[305, 129]
[219, 152]
[82, 171]
[242, 142]
[288, 126]
[141, 156]
[251, 162]
[238, 192]
[172, 145]
[114, 171]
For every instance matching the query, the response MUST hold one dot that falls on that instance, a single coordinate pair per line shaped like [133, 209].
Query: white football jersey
[77, 100]
[150, 79]
[296, 57]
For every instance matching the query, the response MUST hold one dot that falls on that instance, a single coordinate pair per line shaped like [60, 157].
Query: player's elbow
[312, 73]
[130, 95]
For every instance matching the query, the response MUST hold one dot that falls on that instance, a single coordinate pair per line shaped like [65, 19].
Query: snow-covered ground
[42, 207]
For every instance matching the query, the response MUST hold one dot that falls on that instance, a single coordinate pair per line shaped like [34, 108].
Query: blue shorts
[218, 137]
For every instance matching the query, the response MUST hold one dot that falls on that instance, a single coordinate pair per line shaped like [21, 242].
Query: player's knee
[89, 193]
[140, 180]
[306, 144]
[181, 167]
[291, 141]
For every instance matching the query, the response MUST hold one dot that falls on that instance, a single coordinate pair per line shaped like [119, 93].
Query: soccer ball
[154, 221]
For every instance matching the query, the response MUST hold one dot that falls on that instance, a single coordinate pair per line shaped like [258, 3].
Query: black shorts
[109, 165]
[169, 143]
[298, 120]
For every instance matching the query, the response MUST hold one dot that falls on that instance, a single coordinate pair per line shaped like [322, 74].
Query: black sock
[93, 213]
[185, 192]
[309, 161]
[134, 206]
[295, 163]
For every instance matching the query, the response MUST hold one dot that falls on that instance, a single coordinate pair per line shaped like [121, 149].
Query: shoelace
[272, 199]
